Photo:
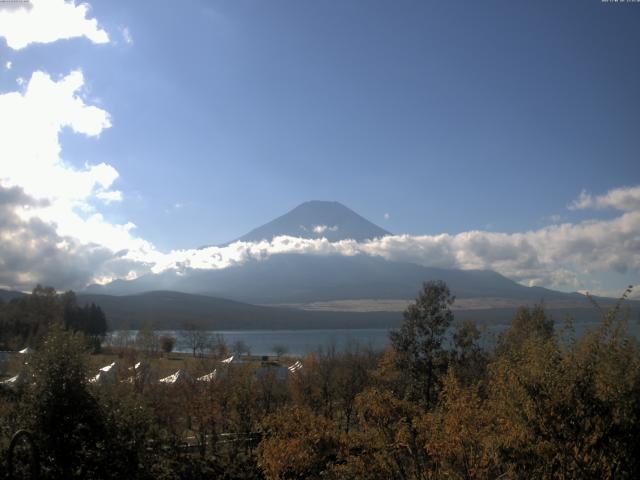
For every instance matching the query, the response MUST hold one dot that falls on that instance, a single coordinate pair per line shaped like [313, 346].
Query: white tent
[26, 351]
[20, 379]
[142, 373]
[209, 377]
[295, 367]
[106, 374]
[181, 376]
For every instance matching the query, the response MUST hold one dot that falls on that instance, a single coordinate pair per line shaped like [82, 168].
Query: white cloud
[109, 196]
[624, 198]
[175, 207]
[126, 35]
[31, 251]
[30, 125]
[46, 21]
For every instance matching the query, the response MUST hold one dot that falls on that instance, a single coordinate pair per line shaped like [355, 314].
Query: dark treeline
[542, 404]
[25, 320]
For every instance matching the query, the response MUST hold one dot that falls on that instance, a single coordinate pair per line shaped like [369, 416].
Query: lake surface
[302, 342]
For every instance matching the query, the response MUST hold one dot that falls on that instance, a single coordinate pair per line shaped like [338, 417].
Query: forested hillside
[543, 404]
[26, 319]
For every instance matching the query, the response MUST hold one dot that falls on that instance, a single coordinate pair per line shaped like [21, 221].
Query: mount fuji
[295, 278]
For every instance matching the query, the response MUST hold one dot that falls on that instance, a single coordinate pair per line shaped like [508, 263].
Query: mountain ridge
[316, 219]
[8, 295]
[296, 278]
[168, 310]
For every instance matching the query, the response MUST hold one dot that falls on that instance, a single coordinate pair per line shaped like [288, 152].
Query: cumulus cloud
[30, 124]
[109, 196]
[624, 198]
[46, 21]
[31, 251]
[31, 121]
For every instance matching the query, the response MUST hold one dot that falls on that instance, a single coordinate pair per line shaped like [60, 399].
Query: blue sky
[447, 116]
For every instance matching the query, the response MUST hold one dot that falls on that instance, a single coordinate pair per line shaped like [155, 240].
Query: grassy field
[162, 364]
[399, 305]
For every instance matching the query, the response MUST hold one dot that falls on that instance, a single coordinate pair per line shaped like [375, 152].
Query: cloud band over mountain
[552, 256]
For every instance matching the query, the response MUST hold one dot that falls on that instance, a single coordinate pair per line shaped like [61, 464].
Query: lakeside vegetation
[543, 404]
[25, 320]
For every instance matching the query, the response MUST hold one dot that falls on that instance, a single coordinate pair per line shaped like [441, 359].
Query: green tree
[60, 410]
[527, 323]
[89, 319]
[468, 359]
[419, 341]
[167, 343]
[569, 411]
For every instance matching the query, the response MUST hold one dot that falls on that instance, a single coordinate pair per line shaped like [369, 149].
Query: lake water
[302, 342]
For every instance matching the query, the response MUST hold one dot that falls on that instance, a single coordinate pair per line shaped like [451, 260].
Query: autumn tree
[350, 379]
[527, 323]
[297, 444]
[304, 386]
[570, 411]
[458, 434]
[385, 443]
